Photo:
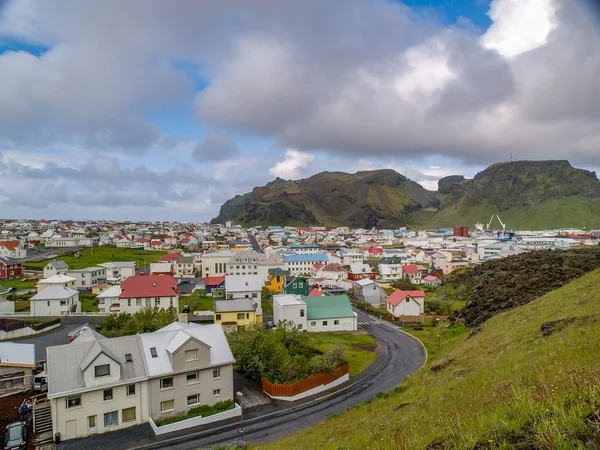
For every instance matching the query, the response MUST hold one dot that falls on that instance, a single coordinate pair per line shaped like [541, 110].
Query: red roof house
[405, 303]
[316, 292]
[170, 257]
[149, 286]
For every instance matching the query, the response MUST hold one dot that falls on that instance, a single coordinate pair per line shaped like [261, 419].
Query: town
[188, 367]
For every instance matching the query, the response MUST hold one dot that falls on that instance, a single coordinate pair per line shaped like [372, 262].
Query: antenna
[511, 158]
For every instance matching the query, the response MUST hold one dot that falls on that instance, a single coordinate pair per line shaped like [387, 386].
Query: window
[102, 371]
[217, 392]
[193, 399]
[111, 419]
[313, 324]
[138, 302]
[336, 322]
[130, 390]
[63, 303]
[247, 315]
[217, 373]
[157, 302]
[153, 352]
[324, 323]
[295, 285]
[148, 302]
[241, 316]
[74, 401]
[192, 378]
[299, 326]
[171, 301]
[301, 313]
[128, 414]
[82, 282]
[217, 316]
[167, 405]
[191, 355]
[166, 383]
[92, 422]
[108, 394]
[128, 302]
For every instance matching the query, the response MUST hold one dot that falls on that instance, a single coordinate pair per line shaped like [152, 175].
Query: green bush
[202, 410]
[438, 307]
[146, 320]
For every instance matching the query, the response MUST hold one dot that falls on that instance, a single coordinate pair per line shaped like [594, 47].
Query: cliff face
[534, 194]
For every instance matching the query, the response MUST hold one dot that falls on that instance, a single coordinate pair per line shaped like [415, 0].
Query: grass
[196, 302]
[449, 335]
[359, 349]
[507, 386]
[202, 410]
[92, 256]
[89, 302]
[17, 283]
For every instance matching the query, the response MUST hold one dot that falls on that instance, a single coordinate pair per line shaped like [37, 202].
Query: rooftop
[240, 304]
[328, 307]
[55, 292]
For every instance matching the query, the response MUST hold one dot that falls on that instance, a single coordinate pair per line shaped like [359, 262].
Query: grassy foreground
[359, 349]
[508, 386]
[89, 257]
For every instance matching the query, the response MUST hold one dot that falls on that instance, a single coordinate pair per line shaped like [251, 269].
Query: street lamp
[240, 395]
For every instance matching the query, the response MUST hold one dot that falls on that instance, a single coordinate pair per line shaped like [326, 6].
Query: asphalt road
[405, 355]
[254, 243]
[40, 254]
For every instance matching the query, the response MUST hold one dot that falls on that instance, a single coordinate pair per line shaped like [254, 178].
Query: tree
[404, 284]
[145, 320]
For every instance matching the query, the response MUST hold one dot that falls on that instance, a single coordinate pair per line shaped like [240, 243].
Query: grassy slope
[90, 257]
[196, 302]
[359, 349]
[574, 211]
[508, 386]
[17, 283]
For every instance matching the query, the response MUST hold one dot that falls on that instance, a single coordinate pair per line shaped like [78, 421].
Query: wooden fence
[291, 390]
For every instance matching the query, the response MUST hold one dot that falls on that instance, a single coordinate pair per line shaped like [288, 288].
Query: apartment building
[214, 264]
[118, 271]
[88, 277]
[184, 267]
[304, 264]
[147, 290]
[97, 385]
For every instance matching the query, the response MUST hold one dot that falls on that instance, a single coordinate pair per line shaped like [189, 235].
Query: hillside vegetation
[530, 379]
[503, 284]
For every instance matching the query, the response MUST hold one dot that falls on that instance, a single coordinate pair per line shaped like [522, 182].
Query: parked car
[12, 289]
[186, 309]
[15, 436]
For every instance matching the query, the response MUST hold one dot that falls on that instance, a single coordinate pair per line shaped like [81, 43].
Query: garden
[198, 411]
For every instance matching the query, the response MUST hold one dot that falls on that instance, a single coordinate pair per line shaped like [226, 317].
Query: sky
[156, 110]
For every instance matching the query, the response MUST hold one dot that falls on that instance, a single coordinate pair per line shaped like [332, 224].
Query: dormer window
[128, 357]
[191, 355]
[102, 371]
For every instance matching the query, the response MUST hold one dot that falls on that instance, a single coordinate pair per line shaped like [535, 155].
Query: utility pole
[241, 395]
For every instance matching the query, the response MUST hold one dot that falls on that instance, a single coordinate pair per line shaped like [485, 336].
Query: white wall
[345, 324]
[407, 308]
[53, 307]
[131, 305]
[291, 313]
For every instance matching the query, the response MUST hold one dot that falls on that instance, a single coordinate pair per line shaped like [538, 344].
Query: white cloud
[293, 166]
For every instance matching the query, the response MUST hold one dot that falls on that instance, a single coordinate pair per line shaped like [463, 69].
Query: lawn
[91, 256]
[89, 302]
[196, 302]
[358, 348]
[17, 283]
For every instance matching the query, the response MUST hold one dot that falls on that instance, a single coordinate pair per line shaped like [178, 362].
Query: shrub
[202, 410]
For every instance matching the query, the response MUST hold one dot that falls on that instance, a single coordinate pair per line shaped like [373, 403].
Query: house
[405, 303]
[232, 314]
[60, 280]
[10, 268]
[12, 249]
[108, 300]
[98, 384]
[304, 249]
[316, 292]
[333, 272]
[431, 281]
[55, 267]
[142, 291]
[118, 271]
[361, 272]
[17, 363]
[245, 286]
[303, 264]
[290, 308]
[414, 273]
[88, 277]
[251, 262]
[349, 258]
[276, 280]
[161, 268]
[170, 257]
[368, 291]
[211, 283]
[330, 313]
[55, 300]
[214, 264]
[183, 267]
[390, 271]
[295, 285]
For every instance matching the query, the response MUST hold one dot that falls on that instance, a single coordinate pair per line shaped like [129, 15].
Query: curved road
[405, 355]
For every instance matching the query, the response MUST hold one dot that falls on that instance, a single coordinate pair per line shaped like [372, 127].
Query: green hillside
[511, 385]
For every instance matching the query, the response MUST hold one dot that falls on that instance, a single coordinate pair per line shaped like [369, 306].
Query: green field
[91, 256]
[507, 386]
[196, 302]
[359, 349]
[89, 302]
[17, 283]
[449, 336]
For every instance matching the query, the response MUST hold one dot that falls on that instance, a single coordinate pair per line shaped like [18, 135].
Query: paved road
[47, 253]
[254, 243]
[405, 355]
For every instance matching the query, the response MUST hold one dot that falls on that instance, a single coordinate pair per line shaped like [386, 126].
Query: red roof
[149, 286]
[410, 268]
[316, 292]
[318, 265]
[430, 278]
[10, 245]
[173, 256]
[334, 267]
[213, 281]
[398, 296]
[142, 239]
[375, 250]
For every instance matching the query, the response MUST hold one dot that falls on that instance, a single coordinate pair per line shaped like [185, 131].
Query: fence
[410, 319]
[11, 324]
[291, 390]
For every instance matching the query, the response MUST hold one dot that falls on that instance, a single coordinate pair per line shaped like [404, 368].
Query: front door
[71, 429]
[91, 424]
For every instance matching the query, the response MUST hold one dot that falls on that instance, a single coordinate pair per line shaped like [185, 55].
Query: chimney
[183, 318]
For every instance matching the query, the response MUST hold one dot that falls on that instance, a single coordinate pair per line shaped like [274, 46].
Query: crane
[490, 222]
[499, 220]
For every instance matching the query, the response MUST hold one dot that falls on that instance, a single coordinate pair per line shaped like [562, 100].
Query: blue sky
[109, 113]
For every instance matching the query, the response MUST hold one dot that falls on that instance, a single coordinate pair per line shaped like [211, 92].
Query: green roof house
[330, 313]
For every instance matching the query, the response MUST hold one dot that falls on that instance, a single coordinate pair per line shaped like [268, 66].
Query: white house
[304, 249]
[88, 277]
[59, 280]
[55, 300]
[214, 264]
[330, 313]
[245, 286]
[118, 271]
[368, 291]
[290, 307]
[56, 267]
[351, 258]
[390, 271]
[108, 298]
[147, 290]
[405, 303]
[304, 264]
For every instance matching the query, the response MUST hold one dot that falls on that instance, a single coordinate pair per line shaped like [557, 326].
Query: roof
[398, 296]
[149, 286]
[162, 267]
[316, 292]
[9, 262]
[221, 254]
[58, 264]
[111, 292]
[57, 279]
[410, 268]
[360, 268]
[288, 299]
[213, 281]
[278, 271]
[13, 353]
[241, 304]
[299, 246]
[306, 258]
[431, 278]
[334, 267]
[54, 292]
[328, 307]
[185, 260]
[243, 283]
[10, 245]
[364, 282]
[118, 265]
[88, 269]
[173, 256]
